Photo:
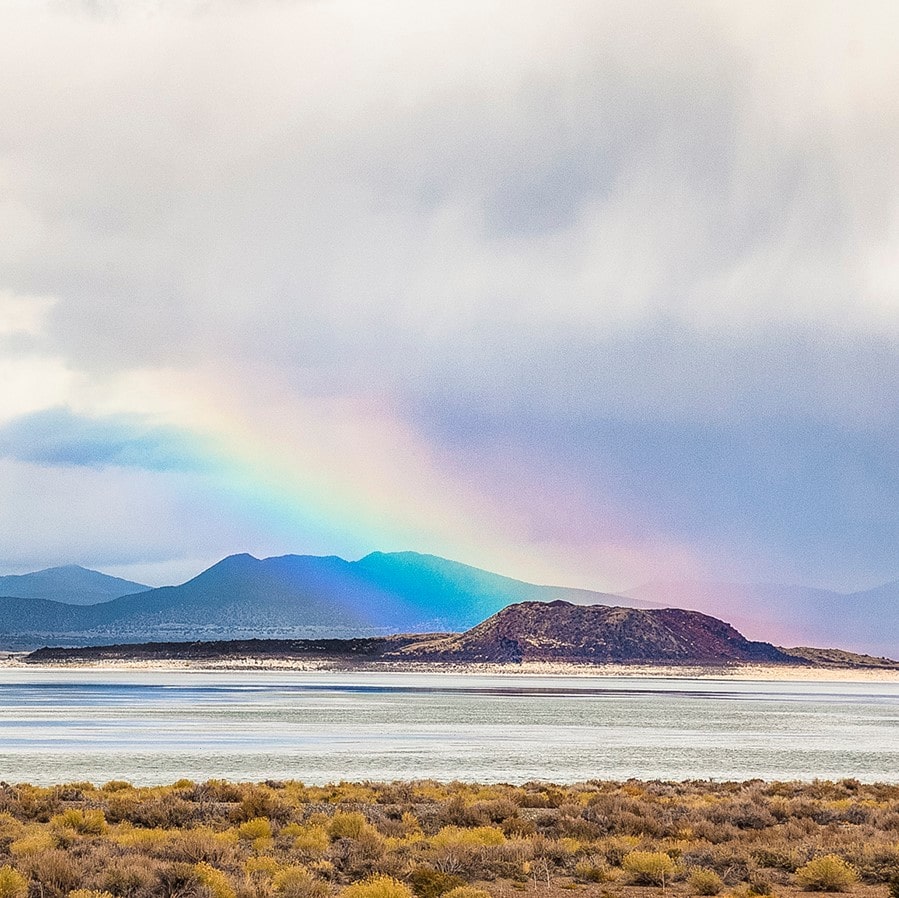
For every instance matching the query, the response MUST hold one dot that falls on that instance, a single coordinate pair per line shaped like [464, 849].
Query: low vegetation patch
[426, 839]
[826, 874]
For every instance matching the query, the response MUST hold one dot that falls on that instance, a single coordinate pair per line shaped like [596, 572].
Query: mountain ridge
[554, 632]
[70, 584]
[307, 596]
[291, 596]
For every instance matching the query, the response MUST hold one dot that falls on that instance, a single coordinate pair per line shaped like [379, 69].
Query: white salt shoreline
[749, 672]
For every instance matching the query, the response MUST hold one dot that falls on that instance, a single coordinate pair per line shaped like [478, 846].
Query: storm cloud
[618, 279]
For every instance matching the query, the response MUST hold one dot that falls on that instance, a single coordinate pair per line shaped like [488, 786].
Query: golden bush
[652, 868]
[829, 873]
[467, 892]
[377, 887]
[299, 882]
[216, 881]
[347, 825]
[704, 881]
[12, 883]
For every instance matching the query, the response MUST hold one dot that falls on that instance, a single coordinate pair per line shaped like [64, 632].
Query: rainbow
[351, 476]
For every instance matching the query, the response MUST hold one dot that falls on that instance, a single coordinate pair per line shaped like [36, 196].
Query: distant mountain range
[293, 596]
[71, 584]
[865, 621]
[556, 632]
[315, 597]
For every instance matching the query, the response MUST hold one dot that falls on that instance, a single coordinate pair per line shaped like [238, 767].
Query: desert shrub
[360, 856]
[743, 815]
[704, 881]
[651, 868]
[215, 881]
[310, 841]
[829, 873]
[377, 887]
[591, 870]
[457, 812]
[467, 892]
[427, 882]
[477, 837]
[776, 857]
[745, 890]
[56, 872]
[616, 849]
[261, 801]
[125, 878]
[32, 843]
[253, 829]
[200, 845]
[479, 850]
[496, 810]
[85, 823]
[347, 825]
[518, 826]
[176, 881]
[759, 885]
[874, 863]
[260, 871]
[148, 842]
[89, 893]
[12, 883]
[298, 882]
[116, 786]
[152, 841]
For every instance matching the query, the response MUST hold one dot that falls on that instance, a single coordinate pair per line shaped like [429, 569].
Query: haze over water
[154, 727]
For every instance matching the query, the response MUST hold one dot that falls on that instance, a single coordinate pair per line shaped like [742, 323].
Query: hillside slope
[866, 621]
[71, 584]
[292, 596]
[560, 631]
[530, 631]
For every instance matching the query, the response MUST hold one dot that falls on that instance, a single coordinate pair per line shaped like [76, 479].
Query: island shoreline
[736, 672]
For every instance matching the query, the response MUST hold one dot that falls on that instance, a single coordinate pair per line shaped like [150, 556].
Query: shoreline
[747, 672]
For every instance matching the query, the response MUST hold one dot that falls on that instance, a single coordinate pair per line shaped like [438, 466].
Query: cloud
[628, 242]
[59, 438]
[22, 314]
[385, 168]
[768, 497]
[164, 526]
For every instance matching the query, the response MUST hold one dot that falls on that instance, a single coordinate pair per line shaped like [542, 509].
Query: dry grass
[426, 839]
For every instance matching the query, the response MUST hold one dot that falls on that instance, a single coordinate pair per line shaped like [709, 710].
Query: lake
[154, 727]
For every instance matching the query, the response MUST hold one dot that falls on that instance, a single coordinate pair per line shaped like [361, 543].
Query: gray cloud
[57, 437]
[673, 216]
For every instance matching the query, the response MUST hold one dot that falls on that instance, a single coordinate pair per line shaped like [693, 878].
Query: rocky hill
[560, 631]
[863, 621]
[528, 631]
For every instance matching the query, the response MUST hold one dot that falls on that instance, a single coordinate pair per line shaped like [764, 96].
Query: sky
[590, 293]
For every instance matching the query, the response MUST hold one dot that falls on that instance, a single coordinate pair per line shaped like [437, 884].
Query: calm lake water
[155, 727]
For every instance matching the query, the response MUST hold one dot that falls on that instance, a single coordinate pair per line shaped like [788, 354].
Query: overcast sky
[591, 293]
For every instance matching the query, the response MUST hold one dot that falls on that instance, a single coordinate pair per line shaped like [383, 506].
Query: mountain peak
[71, 584]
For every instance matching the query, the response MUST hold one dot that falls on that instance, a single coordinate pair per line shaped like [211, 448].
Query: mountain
[292, 596]
[560, 631]
[865, 621]
[305, 596]
[71, 584]
[529, 631]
